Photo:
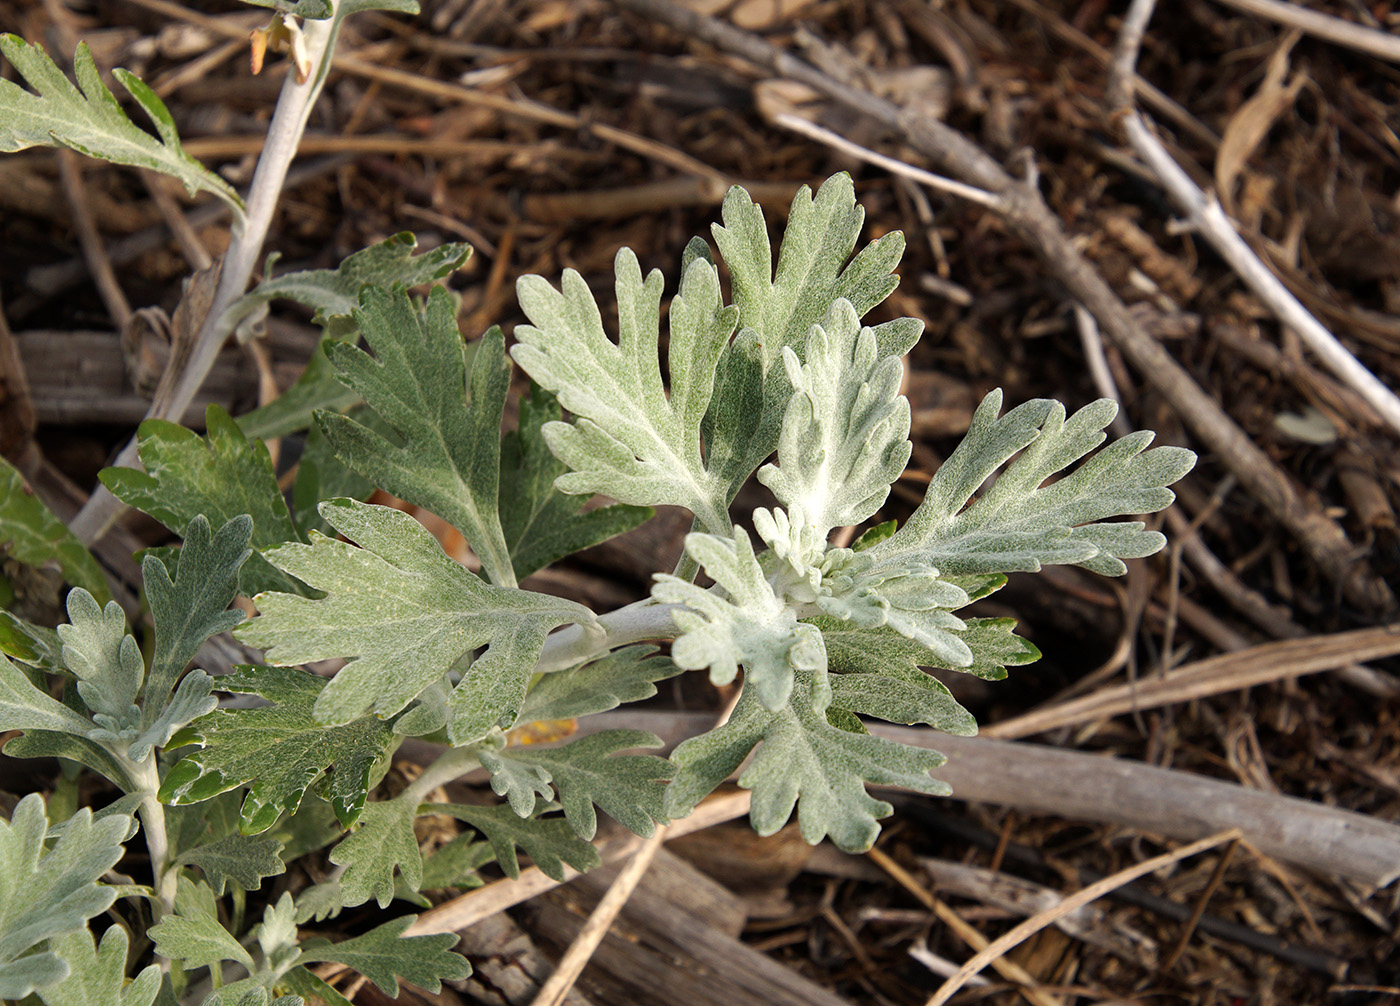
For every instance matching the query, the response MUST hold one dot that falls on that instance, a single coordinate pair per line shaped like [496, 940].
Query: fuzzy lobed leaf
[221, 475]
[845, 434]
[384, 955]
[197, 941]
[631, 441]
[278, 751]
[541, 524]
[382, 844]
[47, 894]
[406, 614]
[88, 119]
[193, 605]
[587, 772]
[30, 534]
[104, 658]
[549, 842]
[238, 860]
[777, 309]
[335, 293]
[97, 973]
[1019, 523]
[802, 762]
[622, 676]
[749, 626]
[448, 416]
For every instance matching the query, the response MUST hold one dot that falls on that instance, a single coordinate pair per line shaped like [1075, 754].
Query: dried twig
[571, 965]
[99, 265]
[1075, 901]
[1324, 26]
[1226, 672]
[1010, 970]
[1206, 216]
[895, 167]
[1091, 787]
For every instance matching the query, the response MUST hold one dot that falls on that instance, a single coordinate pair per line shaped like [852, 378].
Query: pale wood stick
[1226, 672]
[576, 958]
[1331, 29]
[1208, 218]
[1082, 786]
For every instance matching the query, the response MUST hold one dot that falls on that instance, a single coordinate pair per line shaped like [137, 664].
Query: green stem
[152, 813]
[636, 622]
[453, 764]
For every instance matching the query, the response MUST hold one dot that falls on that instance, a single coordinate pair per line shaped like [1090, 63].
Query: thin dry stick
[1324, 26]
[1010, 970]
[1206, 216]
[1224, 673]
[1097, 359]
[71, 172]
[1075, 901]
[576, 958]
[196, 255]
[476, 905]
[1200, 907]
[895, 167]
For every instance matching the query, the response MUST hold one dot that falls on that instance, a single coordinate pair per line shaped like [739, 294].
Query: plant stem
[453, 764]
[152, 813]
[283, 136]
[636, 622]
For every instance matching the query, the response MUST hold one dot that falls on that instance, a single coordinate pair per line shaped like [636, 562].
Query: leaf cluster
[785, 385]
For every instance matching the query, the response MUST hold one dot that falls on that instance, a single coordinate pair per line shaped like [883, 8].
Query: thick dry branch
[1026, 212]
[1071, 784]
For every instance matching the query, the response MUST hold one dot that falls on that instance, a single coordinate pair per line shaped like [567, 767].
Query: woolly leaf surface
[541, 524]
[98, 973]
[278, 751]
[803, 762]
[405, 613]
[87, 118]
[219, 475]
[550, 842]
[587, 772]
[47, 894]
[446, 417]
[1020, 522]
[632, 441]
[384, 955]
[30, 534]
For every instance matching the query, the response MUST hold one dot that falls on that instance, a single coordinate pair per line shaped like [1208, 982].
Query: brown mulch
[610, 130]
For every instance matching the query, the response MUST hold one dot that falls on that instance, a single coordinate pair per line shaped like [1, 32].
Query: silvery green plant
[785, 384]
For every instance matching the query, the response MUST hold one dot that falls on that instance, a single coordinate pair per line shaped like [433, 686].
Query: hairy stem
[184, 376]
[636, 622]
[454, 763]
[152, 813]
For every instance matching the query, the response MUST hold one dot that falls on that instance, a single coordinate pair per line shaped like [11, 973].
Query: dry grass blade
[1079, 899]
[1010, 970]
[1227, 672]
